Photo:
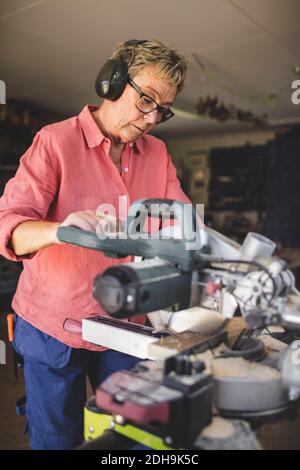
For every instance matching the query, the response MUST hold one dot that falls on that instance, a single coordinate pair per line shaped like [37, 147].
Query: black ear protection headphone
[113, 76]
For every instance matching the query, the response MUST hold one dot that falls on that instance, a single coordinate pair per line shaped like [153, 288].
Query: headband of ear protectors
[112, 78]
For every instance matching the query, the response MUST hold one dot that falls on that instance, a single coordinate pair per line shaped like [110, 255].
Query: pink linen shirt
[68, 169]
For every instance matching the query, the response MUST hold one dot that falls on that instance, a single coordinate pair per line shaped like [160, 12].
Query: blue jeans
[55, 379]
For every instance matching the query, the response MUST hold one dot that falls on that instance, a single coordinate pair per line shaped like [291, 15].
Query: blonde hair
[168, 64]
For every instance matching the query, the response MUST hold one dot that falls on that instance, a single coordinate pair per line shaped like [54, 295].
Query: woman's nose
[152, 117]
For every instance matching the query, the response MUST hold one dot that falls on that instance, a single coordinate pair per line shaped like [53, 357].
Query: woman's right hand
[91, 221]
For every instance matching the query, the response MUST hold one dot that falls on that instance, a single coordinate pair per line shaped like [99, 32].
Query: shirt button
[131, 145]
[124, 197]
[126, 169]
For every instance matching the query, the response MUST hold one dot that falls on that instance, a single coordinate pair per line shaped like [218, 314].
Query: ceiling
[243, 51]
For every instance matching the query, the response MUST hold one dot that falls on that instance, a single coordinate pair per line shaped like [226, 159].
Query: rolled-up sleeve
[29, 193]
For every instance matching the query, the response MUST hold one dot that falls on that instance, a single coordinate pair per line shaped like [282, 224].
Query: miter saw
[195, 387]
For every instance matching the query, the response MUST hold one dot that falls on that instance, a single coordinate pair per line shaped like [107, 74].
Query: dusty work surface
[281, 435]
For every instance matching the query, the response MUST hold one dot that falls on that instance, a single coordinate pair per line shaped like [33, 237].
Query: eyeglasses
[146, 104]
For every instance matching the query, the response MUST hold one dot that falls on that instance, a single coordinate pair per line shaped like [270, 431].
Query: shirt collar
[92, 133]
